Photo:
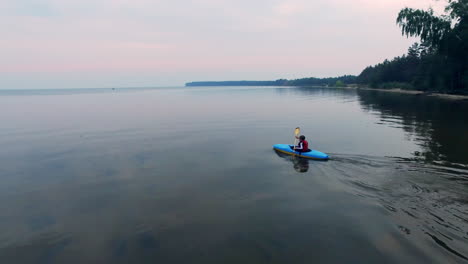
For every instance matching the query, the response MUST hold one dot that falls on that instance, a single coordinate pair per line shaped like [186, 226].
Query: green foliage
[339, 83]
[457, 10]
[429, 28]
[439, 63]
[331, 81]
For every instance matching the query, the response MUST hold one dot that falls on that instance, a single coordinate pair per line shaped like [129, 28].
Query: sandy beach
[416, 92]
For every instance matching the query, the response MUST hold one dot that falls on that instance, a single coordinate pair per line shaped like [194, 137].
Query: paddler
[303, 145]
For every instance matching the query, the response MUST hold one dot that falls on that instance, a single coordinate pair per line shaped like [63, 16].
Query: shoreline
[416, 92]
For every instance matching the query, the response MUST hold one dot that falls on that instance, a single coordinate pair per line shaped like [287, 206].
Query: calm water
[188, 175]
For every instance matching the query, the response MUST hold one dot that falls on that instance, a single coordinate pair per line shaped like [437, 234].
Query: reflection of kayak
[300, 164]
[313, 154]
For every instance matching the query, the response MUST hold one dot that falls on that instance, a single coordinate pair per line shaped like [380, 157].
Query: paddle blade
[297, 131]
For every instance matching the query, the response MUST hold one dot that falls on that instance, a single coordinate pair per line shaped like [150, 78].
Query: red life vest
[305, 145]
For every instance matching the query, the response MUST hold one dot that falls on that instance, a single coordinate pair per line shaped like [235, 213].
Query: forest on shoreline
[438, 63]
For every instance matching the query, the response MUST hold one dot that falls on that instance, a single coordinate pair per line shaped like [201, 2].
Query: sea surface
[188, 175]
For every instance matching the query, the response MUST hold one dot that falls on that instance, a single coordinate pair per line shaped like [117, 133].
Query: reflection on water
[300, 165]
[438, 126]
[170, 175]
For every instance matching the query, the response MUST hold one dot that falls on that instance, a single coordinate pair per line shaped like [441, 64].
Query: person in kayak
[303, 145]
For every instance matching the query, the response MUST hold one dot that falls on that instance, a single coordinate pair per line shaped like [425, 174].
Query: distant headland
[235, 83]
[332, 81]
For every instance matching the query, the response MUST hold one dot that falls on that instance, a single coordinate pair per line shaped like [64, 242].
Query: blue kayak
[313, 154]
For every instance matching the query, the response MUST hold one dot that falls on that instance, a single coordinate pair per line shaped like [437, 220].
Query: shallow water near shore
[188, 175]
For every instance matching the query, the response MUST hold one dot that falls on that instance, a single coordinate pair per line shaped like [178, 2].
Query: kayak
[313, 154]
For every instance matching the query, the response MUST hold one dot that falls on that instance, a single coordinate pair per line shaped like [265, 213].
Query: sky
[135, 43]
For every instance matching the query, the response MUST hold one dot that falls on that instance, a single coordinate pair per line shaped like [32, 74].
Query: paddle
[296, 132]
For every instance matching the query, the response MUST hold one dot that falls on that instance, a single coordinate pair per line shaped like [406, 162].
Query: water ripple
[421, 198]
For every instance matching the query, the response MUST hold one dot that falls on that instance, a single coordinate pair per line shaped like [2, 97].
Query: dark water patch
[48, 248]
[41, 222]
[142, 247]
[147, 241]
[50, 255]
[445, 246]
[121, 249]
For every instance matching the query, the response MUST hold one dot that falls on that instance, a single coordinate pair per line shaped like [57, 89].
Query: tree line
[438, 63]
[331, 81]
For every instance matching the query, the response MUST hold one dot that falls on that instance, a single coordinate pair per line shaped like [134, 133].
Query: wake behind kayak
[313, 154]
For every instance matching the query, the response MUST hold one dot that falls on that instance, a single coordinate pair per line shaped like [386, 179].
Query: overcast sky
[129, 43]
